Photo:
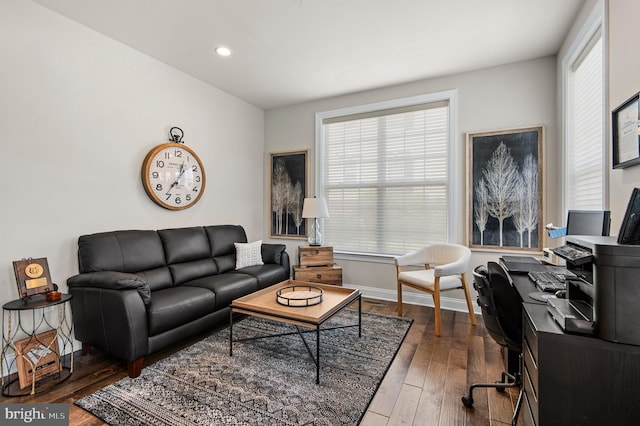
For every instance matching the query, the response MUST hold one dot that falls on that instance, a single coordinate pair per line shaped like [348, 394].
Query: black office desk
[571, 379]
[525, 287]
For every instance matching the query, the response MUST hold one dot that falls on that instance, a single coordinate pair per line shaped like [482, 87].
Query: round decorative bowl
[299, 295]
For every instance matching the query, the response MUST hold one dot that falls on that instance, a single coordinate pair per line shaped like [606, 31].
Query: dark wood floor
[423, 385]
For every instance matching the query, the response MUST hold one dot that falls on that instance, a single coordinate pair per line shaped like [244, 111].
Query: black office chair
[502, 313]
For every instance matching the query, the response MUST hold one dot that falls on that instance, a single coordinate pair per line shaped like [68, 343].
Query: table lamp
[315, 208]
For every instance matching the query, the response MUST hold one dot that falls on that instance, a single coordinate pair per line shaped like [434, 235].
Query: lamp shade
[314, 208]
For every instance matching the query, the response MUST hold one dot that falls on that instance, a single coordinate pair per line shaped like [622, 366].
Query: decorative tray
[299, 295]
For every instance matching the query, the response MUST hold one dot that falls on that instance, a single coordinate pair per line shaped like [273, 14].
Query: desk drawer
[527, 413]
[531, 366]
[532, 396]
[530, 337]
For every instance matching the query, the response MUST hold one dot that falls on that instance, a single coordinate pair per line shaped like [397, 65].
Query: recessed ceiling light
[223, 51]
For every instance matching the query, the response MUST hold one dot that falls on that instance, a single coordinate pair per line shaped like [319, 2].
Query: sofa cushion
[176, 306]
[248, 254]
[122, 251]
[226, 286]
[223, 237]
[225, 263]
[266, 275]
[185, 244]
[187, 271]
[157, 278]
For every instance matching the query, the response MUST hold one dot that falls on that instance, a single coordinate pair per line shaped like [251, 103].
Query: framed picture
[37, 357]
[625, 124]
[288, 191]
[505, 189]
[32, 276]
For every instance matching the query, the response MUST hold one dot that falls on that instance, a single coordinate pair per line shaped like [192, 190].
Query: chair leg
[436, 304]
[399, 299]
[512, 382]
[472, 316]
[508, 381]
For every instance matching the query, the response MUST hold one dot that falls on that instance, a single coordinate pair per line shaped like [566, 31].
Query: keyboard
[548, 281]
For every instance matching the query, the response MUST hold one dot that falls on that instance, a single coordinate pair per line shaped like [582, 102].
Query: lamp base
[315, 238]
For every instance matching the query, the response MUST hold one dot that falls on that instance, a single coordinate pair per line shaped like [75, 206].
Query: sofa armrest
[112, 280]
[114, 321]
[276, 254]
[272, 253]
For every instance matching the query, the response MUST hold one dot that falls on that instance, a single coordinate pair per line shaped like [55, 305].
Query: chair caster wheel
[467, 401]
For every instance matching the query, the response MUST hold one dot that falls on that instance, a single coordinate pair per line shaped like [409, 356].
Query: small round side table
[37, 344]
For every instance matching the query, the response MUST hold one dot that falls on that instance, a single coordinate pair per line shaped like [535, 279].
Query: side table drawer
[315, 256]
[319, 274]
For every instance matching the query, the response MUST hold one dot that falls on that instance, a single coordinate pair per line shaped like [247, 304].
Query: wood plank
[428, 412]
[422, 358]
[406, 405]
[385, 399]
[451, 413]
[457, 372]
[374, 419]
[476, 373]
[500, 406]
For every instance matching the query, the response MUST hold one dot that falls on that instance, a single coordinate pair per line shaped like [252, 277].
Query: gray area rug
[268, 381]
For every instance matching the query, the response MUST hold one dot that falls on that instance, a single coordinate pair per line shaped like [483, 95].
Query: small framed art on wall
[289, 172]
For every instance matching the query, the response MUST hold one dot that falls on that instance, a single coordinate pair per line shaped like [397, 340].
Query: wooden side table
[315, 264]
[36, 336]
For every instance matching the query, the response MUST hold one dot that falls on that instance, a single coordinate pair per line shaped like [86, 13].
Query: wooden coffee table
[263, 304]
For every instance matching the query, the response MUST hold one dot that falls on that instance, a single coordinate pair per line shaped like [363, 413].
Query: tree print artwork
[506, 196]
[288, 189]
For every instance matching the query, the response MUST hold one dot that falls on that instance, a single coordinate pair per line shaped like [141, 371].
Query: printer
[604, 299]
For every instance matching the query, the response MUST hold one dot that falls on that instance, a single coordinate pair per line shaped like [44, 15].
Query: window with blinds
[584, 145]
[384, 175]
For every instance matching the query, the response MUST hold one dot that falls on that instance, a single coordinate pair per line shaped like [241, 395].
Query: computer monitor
[630, 229]
[588, 222]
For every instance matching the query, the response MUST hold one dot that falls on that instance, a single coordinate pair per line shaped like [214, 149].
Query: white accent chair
[445, 266]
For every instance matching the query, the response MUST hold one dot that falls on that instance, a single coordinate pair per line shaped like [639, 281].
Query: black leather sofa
[141, 291]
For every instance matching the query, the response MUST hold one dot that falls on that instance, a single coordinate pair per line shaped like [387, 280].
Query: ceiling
[291, 51]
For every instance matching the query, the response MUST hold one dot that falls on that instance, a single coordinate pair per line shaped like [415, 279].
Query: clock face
[173, 176]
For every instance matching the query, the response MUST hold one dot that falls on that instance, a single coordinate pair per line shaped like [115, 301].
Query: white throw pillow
[248, 254]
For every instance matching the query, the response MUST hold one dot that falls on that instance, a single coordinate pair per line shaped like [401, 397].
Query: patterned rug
[268, 381]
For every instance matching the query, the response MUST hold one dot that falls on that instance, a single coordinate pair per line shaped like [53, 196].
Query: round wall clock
[173, 176]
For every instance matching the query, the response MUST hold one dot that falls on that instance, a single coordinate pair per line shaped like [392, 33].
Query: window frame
[453, 156]
[594, 24]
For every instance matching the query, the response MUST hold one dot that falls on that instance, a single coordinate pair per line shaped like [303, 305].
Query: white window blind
[384, 176]
[585, 135]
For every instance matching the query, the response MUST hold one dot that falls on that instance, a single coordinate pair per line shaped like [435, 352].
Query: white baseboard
[414, 298]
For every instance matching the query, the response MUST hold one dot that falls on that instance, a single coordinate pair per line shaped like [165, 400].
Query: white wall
[624, 82]
[78, 113]
[515, 95]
